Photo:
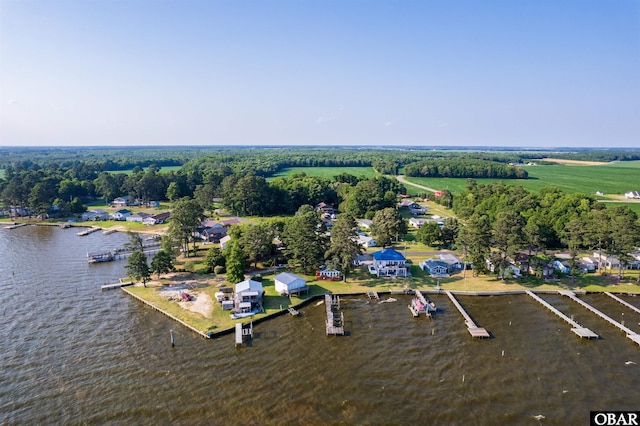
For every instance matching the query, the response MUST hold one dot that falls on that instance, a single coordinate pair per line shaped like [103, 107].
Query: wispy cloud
[326, 118]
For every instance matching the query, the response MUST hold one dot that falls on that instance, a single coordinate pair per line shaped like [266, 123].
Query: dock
[630, 333]
[88, 231]
[242, 331]
[421, 305]
[15, 225]
[625, 303]
[293, 312]
[115, 286]
[474, 330]
[581, 331]
[335, 318]
[373, 295]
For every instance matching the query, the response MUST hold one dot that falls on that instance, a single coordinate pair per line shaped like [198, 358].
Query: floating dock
[581, 331]
[630, 333]
[335, 318]
[474, 330]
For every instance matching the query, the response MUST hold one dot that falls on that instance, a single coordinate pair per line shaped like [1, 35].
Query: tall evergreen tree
[344, 247]
[388, 225]
[137, 267]
[304, 241]
[235, 264]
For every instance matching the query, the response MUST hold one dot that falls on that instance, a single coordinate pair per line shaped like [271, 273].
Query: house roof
[287, 278]
[249, 285]
[449, 258]
[432, 263]
[388, 254]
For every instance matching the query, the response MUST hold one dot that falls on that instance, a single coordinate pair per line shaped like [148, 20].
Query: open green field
[615, 178]
[328, 172]
[162, 170]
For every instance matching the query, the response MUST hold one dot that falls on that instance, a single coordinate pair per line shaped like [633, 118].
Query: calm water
[72, 354]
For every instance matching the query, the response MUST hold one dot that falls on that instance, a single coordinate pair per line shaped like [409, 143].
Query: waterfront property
[248, 297]
[389, 263]
[287, 284]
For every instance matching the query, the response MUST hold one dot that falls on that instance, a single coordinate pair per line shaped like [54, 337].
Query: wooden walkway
[89, 231]
[114, 286]
[625, 303]
[576, 328]
[335, 319]
[15, 225]
[474, 330]
[630, 333]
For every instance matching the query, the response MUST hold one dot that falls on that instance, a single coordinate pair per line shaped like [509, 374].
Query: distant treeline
[605, 156]
[464, 168]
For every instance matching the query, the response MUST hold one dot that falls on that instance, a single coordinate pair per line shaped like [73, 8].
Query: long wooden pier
[116, 285]
[624, 302]
[89, 231]
[581, 331]
[630, 333]
[474, 330]
[335, 322]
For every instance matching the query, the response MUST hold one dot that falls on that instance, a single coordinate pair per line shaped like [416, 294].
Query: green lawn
[615, 178]
[327, 172]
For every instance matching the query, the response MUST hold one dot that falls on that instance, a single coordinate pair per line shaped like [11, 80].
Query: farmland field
[614, 178]
[327, 172]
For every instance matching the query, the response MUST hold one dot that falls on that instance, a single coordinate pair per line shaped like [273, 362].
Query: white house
[288, 283]
[121, 201]
[389, 262]
[328, 273]
[137, 217]
[156, 218]
[121, 214]
[632, 194]
[224, 241]
[417, 222]
[364, 223]
[248, 296]
[452, 262]
[367, 241]
[95, 215]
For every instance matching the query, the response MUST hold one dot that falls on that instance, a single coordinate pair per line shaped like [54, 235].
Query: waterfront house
[137, 217]
[211, 234]
[287, 283]
[417, 222]
[452, 262]
[389, 262]
[156, 219]
[248, 296]
[121, 214]
[435, 268]
[562, 266]
[332, 274]
[95, 215]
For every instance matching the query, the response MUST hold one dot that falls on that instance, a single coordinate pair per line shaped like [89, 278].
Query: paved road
[401, 179]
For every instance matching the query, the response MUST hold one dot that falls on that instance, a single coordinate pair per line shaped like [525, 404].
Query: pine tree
[235, 264]
[137, 267]
[344, 247]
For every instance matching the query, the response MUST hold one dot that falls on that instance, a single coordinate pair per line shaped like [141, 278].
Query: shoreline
[312, 298]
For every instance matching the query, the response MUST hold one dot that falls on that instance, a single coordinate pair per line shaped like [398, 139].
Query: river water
[72, 354]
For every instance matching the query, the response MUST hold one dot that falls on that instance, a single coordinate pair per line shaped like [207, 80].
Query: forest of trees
[464, 168]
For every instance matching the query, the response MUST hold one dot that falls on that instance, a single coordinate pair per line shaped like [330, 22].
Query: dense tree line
[508, 223]
[464, 168]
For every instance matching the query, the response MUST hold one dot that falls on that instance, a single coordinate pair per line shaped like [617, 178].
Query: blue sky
[531, 73]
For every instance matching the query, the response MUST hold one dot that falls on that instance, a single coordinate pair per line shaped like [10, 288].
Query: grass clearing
[327, 172]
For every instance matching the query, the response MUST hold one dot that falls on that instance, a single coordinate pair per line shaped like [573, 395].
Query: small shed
[288, 283]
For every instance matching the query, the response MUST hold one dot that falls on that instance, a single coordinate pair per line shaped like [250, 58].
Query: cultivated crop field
[611, 179]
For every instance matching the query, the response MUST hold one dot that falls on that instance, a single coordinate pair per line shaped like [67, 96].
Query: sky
[528, 73]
